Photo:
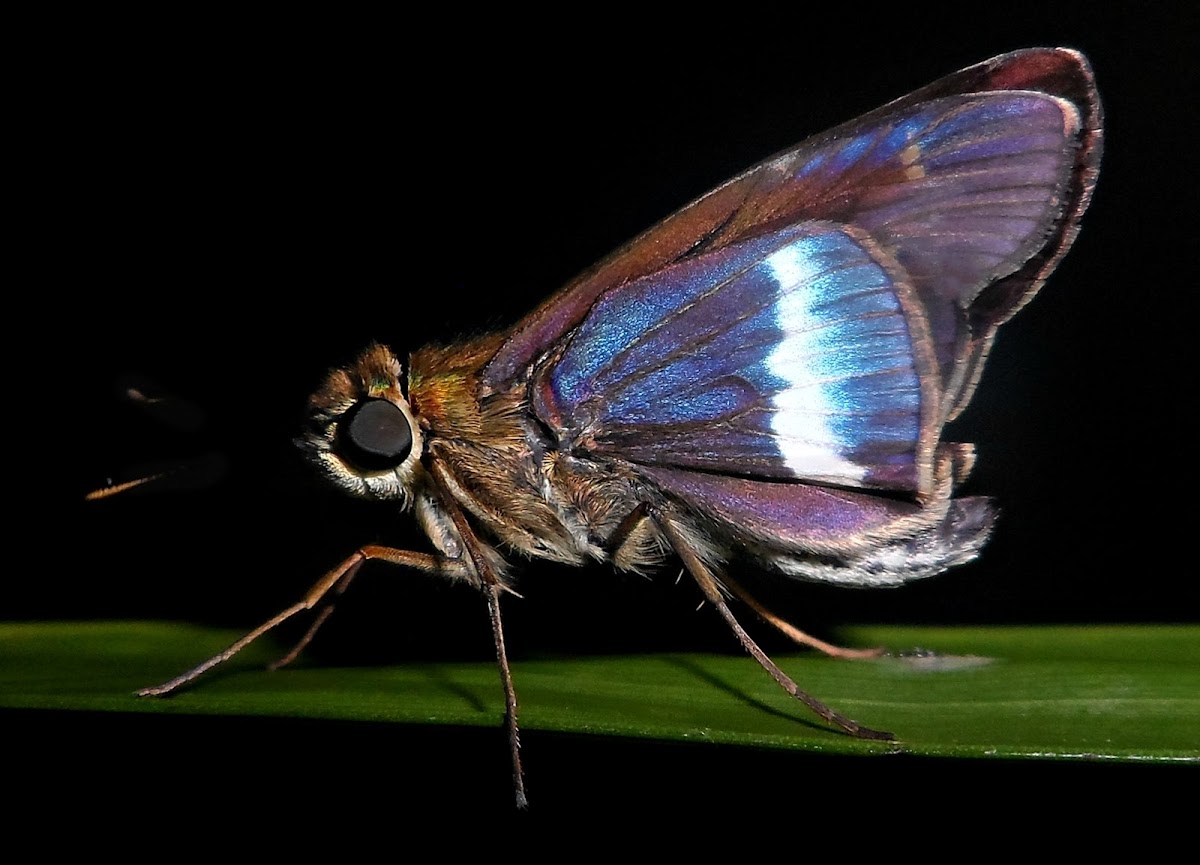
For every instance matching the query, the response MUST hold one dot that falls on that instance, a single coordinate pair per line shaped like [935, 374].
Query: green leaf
[1092, 693]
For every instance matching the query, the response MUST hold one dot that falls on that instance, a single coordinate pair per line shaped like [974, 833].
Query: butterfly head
[360, 429]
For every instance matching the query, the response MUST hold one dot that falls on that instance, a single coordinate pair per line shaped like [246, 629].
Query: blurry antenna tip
[165, 407]
[189, 475]
[116, 489]
[135, 395]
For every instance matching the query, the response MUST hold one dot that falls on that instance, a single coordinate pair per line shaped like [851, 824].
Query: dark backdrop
[231, 207]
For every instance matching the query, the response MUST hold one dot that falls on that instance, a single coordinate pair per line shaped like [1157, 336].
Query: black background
[231, 207]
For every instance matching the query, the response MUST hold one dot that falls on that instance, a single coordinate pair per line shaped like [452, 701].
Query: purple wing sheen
[973, 184]
[838, 536]
[801, 354]
[964, 190]
[798, 516]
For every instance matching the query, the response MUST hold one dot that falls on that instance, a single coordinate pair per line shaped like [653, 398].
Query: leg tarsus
[294, 652]
[788, 684]
[335, 580]
[510, 694]
[324, 613]
[795, 634]
[709, 586]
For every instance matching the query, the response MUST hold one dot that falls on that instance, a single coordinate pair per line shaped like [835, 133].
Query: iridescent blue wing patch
[802, 354]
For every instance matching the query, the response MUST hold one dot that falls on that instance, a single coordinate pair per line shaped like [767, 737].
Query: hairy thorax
[506, 470]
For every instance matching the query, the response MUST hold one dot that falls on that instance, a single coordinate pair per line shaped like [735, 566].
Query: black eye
[374, 435]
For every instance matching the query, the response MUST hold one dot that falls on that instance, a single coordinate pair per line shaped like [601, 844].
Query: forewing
[973, 184]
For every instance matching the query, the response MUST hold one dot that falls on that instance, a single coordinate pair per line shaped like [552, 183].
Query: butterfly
[764, 378]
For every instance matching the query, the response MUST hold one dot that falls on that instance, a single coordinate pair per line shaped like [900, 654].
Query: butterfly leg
[709, 585]
[334, 581]
[451, 568]
[493, 584]
[493, 592]
[792, 632]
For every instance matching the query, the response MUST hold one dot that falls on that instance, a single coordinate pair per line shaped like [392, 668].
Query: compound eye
[374, 435]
